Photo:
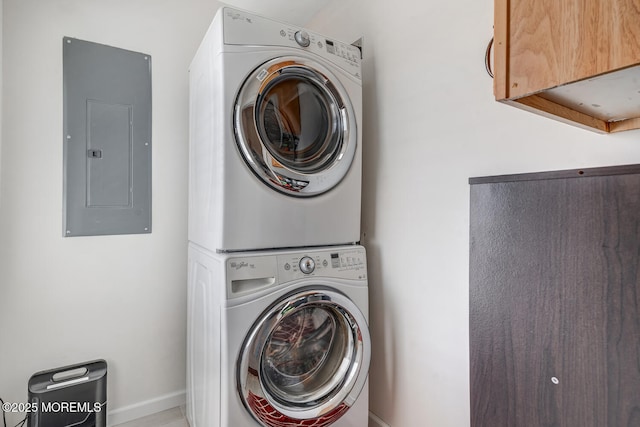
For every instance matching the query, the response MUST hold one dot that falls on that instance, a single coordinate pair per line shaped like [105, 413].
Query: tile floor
[170, 418]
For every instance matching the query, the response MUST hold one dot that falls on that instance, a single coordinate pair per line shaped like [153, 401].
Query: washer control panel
[344, 263]
[254, 272]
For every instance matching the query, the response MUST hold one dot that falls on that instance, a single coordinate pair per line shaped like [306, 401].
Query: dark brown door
[555, 299]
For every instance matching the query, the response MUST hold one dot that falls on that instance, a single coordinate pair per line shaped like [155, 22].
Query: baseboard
[173, 400]
[374, 421]
[147, 407]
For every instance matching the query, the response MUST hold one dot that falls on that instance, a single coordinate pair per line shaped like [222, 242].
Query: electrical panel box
[107, 140]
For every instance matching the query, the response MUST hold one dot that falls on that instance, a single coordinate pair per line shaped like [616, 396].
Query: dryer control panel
[242, 28]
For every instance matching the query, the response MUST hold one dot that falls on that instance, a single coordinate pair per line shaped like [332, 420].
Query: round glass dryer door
[295, 126]
[306, 358]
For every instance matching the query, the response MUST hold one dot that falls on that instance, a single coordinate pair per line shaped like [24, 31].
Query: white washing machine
[278, 338]
[275, 137]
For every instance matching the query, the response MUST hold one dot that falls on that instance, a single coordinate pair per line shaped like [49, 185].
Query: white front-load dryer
[275, 137]
[278, 338]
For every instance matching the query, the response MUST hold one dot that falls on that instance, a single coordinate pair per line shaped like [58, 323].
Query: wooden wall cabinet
[572, 60]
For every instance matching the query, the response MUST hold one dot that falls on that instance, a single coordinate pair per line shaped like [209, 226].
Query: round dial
[302, 38]
[307, 265]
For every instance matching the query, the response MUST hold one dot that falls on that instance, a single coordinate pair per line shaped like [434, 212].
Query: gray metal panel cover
[107, 140]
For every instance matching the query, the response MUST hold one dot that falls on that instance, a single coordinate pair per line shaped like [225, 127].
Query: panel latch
[94, 154]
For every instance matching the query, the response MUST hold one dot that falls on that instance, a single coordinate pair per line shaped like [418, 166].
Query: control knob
[302, 38]
[307, 265]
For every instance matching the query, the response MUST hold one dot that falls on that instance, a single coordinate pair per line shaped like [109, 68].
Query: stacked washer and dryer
[277, 294]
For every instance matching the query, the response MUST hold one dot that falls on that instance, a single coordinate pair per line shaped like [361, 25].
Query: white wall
[122, 298]
[1, 43]
[430, 124]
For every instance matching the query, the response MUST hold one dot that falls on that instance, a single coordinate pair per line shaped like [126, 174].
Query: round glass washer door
[295, 126]
[306, 358]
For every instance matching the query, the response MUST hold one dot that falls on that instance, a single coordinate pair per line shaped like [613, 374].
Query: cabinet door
[555, 299]
[546, 43]
[572, 60]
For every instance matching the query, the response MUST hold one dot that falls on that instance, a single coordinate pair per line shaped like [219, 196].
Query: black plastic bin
[73, 395]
